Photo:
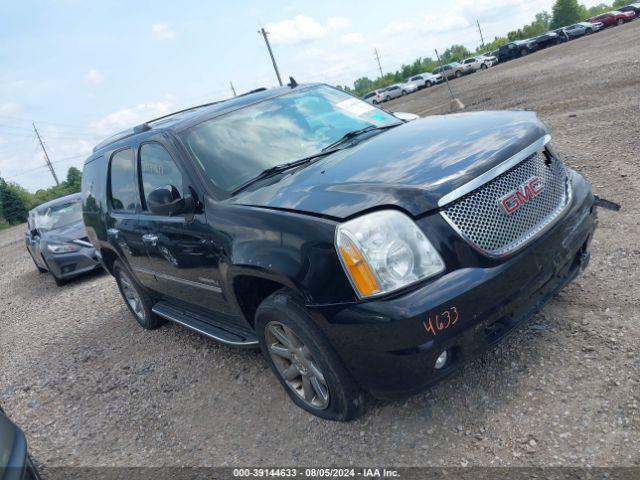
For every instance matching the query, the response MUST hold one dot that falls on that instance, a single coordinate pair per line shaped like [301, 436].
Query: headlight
[384, 251]
[62, 247]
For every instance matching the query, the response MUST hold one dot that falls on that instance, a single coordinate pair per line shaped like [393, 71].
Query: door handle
[150, 238]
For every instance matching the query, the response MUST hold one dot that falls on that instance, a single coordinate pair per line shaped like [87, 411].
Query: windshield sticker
[355, 106]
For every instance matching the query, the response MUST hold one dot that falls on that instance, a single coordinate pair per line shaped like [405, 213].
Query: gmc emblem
[513, 200]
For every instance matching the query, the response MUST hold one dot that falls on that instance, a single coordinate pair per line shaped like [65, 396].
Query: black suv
[518, 48]
[362, 253]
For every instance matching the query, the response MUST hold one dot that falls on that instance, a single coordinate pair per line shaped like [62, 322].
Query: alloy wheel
[131, 296]
[296, 365]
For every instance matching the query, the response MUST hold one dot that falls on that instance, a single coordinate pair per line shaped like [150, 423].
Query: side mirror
[166, 201]
[406, 117]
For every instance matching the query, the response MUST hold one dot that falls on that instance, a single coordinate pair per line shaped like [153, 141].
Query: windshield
[58, 216]
[236, 147]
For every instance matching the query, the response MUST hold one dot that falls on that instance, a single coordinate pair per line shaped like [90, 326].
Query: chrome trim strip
[183, 281]
[494, 172]
[202, 332]
[83, 243]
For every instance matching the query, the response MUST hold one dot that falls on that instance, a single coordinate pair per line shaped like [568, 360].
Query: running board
[227, 334]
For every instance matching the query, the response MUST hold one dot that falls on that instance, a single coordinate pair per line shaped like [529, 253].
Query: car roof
[181, 119]
[74, 197]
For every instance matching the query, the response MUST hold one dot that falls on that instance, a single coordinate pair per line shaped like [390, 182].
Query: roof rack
[146, 126]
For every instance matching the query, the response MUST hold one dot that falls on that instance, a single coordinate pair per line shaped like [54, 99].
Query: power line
[46, 157]
[264, 33]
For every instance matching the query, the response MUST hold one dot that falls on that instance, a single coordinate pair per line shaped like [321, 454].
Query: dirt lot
[91, 388]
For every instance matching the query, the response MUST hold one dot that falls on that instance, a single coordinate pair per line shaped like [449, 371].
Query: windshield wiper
[276, 169]
[354, 133]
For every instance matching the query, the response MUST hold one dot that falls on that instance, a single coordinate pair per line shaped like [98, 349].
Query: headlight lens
[62, 247]
[384, 251]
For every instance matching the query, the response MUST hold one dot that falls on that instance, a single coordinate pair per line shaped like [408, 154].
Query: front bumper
[69, 265]
[390, 345]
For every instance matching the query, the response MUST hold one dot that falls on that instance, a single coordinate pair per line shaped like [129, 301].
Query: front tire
[304, 361]
[404, 92]
[524, 52]
[620, 22]
[428, 84]
[137, 300]
[483, 66]
[458, 74]
[589, 31]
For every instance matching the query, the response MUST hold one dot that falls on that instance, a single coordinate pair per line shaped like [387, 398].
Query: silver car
[389, 93]
[426, 80]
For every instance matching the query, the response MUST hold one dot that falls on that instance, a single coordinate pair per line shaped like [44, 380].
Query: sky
[82, 70]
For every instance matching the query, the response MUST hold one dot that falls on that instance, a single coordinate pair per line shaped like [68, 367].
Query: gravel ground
[91, 388]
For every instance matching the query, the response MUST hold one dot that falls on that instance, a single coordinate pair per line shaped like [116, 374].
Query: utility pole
[455, 104]
[378, 59]
[46, 157]
[233, 89]
[264, 33]
[480, 30]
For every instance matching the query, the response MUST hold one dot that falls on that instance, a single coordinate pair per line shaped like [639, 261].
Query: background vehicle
[391, 92]
[631, 14]
[479, 62]
[374, 97]
[57, 241]
[321, 251]
[562, 34]
[633, 7]
[426, 80]
[547, 39]
[518, 48]
[408, 87]
[610, 19]
[15, 462]
[451, 70]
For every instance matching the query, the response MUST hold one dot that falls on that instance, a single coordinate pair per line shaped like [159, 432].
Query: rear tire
[524, 52]
[588, 31]
[295, 349]
[427, 84]
[137, 300]
[458, 74]
[404, 92]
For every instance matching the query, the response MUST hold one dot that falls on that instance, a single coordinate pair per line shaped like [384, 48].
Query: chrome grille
[481, 220]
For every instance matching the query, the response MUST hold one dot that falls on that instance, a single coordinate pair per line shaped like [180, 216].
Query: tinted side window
[124, 193]
[158, 169]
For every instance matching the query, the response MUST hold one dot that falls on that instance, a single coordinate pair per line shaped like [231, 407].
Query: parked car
[391, 92]
[633, 7]
[374, 97]
[473, 64]
[408, 87]
[630, 14]
[357, 250]
[580, 29]
[515, 49]
[546, 40]
[610, 19]
[15, 462]
[451, 70]
[491, 57]
[426, 80]
[57, 241]
[562, 34]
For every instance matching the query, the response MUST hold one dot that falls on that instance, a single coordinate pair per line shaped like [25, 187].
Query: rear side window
[158, 169]
[124, 193]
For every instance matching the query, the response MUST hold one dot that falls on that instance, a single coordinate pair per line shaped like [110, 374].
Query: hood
[68, 233]
[411, 166]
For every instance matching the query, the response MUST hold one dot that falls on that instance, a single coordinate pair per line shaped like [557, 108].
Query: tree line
[15, 201]
[563, 13]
